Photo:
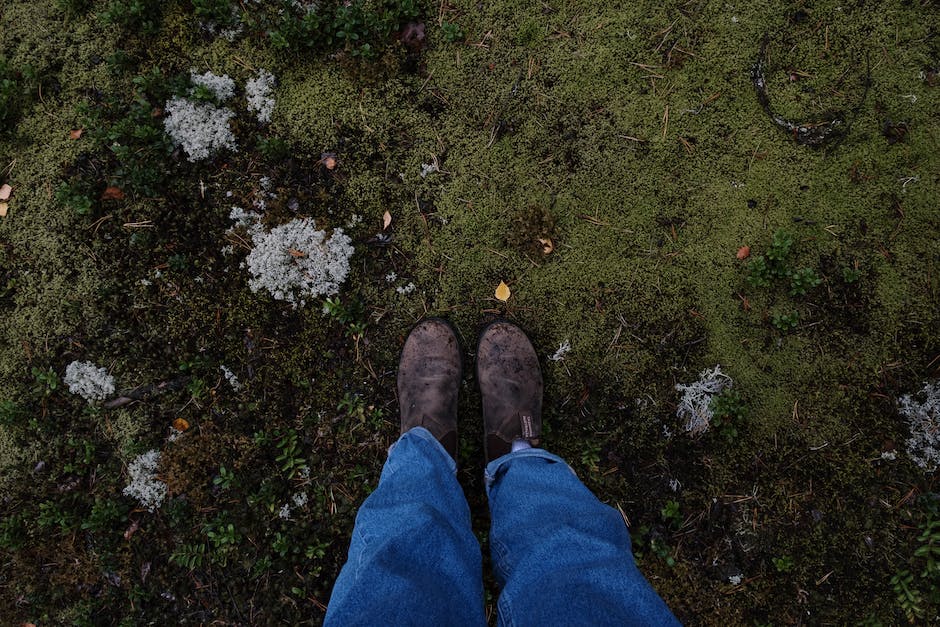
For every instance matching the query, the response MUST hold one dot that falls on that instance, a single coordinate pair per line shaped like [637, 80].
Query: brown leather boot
[511, 384]
[429, 372]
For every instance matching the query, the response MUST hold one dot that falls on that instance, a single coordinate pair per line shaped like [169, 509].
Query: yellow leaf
[386, 220]
[3, 209]
[502, 291]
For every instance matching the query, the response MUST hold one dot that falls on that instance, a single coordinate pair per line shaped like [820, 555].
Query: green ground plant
[729, 414]
[606, 161]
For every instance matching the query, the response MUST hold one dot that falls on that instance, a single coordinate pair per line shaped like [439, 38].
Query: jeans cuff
[420, 433]
[493, 468]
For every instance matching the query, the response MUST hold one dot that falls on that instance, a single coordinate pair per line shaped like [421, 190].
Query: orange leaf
[3, 209]
[386, 220]
[112, 193]
[181, 424]
[75, 133]
[5, 192]
[502, 291]
[744, 252]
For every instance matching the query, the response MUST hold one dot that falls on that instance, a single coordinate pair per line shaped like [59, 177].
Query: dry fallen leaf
[502, 291]
[181, 424]
[135, 525]
[547, 245]
[3, 209]
[296, 253]
[112, 193]
[744, 252]
[5, 192]
[75, 133]
[386, 220]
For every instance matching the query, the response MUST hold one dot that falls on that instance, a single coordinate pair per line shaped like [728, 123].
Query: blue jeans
[561, 557]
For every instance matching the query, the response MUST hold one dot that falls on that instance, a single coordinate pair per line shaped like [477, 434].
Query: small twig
[142, 392]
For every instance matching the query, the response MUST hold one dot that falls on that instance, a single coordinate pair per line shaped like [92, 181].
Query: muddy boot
[511, 386]
[429, 372]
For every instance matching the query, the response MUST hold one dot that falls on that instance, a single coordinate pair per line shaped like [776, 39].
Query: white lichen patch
[200, 128]
[222, 87]
[295, 261]
[694, 408]
[258, 93]
[144, 484]
[231, 378]
[88, 381]
[921, 411]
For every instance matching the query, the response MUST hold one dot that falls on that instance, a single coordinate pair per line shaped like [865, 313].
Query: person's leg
[413, 559]
[560, 555]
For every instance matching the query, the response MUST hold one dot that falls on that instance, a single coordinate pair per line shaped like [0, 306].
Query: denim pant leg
[560, 555]
[413, 559]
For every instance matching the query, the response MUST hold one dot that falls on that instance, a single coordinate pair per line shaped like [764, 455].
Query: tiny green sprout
[783, 564]
[850, 275]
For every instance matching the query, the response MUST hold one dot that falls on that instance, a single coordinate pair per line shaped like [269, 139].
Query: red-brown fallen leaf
[75, 133]
[112, 193]
[181, 424]
[744, 252]
[386, 220]
[5, 192]
[296, 253]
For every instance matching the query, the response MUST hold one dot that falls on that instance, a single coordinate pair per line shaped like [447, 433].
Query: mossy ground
[630, 136]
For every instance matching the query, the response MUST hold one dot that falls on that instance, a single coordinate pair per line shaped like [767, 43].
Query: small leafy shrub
[785, 321]
[671, 514]
[290, 457]
[763, 269]
[218, 11]
[919, 596]
[803, 280]
[45, 382]
[728, 413]
[223, 539]
[909, 598]
[351, 316]
[189, 556]
[105, 513]
[360, 27]
[225, 478]
[140, 15]
[451, 32]
[70, 196]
